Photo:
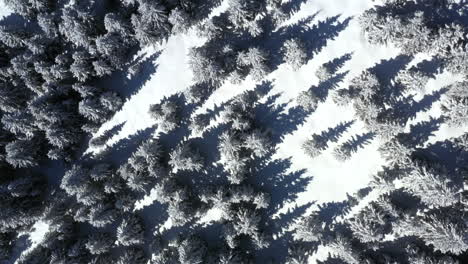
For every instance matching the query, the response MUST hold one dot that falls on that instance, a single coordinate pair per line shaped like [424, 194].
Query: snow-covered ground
[331, 179]
[4, 11]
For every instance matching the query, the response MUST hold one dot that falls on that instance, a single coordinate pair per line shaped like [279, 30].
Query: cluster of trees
[436, 28]
[52, 59]
[225, 55]
[53, 55]
[418, 215]
[50, 69]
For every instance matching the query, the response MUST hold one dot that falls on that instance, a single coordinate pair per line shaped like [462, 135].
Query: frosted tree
[246, 222]
[231, 157]
[82, 67]
[91, 109]
[116, 23]
[137, 180]
[243, 13]
[75, 179]
[229, 256]
[147, 156]
[48, 24]
[413, 79]
[101, 259]
[20, 124]
[113, 47]
[132, 255]
[455, 105]
[370, 225]
[298, 254]
[78, 26]
[308, 100]
[102, 67]
[198, 92]
[180, 20]
[418, 256]
[23, 153]
[238, 115]
[366, 84]
[257, 142]
[314, 146]
[256, 60]
[101, 215]
[130, 231]
[342, 248]
[384, 181]
[151, 23]
[434, 188]
[309, 228]
[295, 53]
[167, 115]
[443, 235]
[328, 69]
[342, 97]
[192, 250]
[205, 67]
[199, 123]
[99, 109]
[12, 38]
[185, 157]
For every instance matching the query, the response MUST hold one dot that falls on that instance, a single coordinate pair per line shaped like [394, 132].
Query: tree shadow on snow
[127, 87]
[120, 152]
[314, 37]
[323, 88]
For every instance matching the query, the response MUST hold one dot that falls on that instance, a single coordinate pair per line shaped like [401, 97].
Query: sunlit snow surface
[4, 11]
[331, 179]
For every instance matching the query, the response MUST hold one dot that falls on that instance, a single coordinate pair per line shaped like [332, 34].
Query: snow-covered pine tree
[131, 231]
[185, 158]
[295, 53]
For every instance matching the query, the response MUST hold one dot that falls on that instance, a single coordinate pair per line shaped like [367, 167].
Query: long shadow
[292, 6]
[273, 117]
[315, 37]
[323, 89]
[359, 141]
[283, 239]
[108, 134]
[125, 87]
[286, 220]
[442, 152]
[407, 108]
[426, 102]
[334, 133]
[430, 67]
[386, 71]
[119, 152]
[273, 176]
[337, 63]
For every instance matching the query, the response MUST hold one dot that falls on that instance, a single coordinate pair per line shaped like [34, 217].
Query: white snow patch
[4, 10]
[213, 215]
[40, 229]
